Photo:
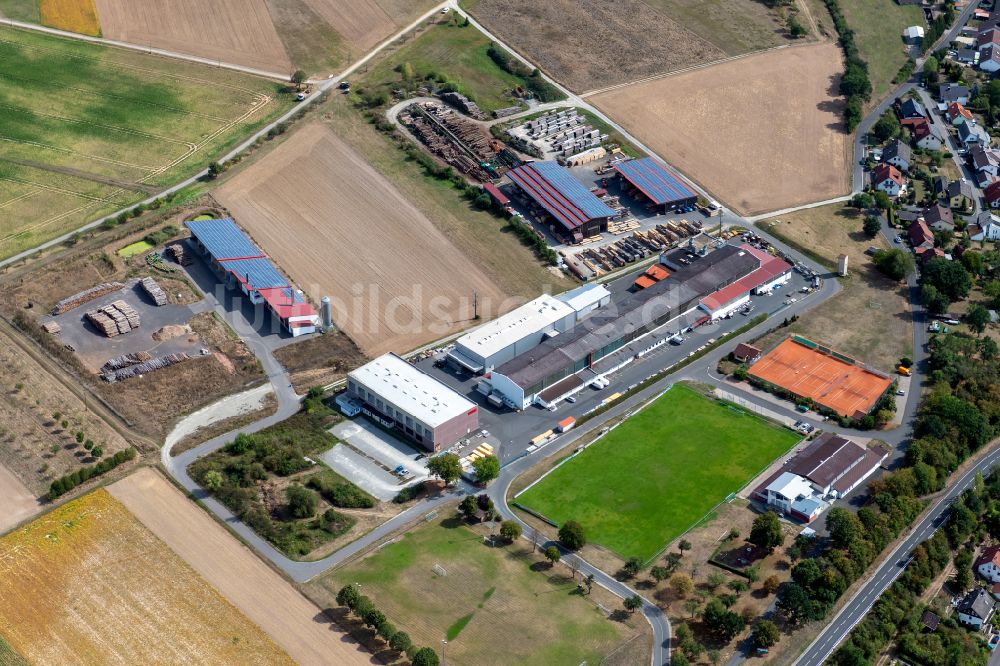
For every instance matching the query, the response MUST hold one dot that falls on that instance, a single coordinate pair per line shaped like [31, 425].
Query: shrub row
[532, 78]
[855, 85]
[342, 494]
[66, 483]
[365, 610]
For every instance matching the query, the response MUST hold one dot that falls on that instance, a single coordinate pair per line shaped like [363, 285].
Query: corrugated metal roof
[500, 197]
[287, 302]
[556, 190]
[223, 239]
[655, 180]
[258, 273]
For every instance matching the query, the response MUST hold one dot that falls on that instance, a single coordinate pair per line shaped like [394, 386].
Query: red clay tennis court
[800, 367]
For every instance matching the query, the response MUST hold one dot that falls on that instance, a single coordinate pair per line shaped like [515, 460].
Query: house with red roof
[987, 564]
[887, 178]
[958, 114]
[926, 136]
[992, 194]
[921, 236]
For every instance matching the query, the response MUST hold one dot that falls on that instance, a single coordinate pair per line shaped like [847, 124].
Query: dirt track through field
[16, 501]
[261, 594]
[362, 22]
[760, 133]
[236, 31]
[340, 228]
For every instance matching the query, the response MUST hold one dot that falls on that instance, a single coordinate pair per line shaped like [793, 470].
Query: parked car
[900, 392]
[571, 399]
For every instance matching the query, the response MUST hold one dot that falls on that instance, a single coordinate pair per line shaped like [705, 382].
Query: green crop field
[489, 604]
[878, 30]
[86, 129]
[458, 53]
[659, 472]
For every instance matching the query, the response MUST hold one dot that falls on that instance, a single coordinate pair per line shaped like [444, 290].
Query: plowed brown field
[361, 22]
[235, 31]
[16, 501]
[339, 228]
[760, 133]
[268, 600]
[88, 584]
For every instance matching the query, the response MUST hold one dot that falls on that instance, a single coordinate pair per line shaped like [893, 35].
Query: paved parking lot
[368, 455]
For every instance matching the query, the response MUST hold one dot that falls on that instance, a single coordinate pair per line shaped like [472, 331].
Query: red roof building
[957, 113]
[992, 194]
[920, 235]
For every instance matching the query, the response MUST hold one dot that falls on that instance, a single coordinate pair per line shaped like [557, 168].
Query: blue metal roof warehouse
[564, 197]
[656, 181]
[223, 239]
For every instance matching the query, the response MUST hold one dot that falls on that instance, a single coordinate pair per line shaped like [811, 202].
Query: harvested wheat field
[233, 31]
[72, 15]
[88, 584]
[363, 23]
[290, 619]
[16, 500]
[341, 229]
[588, 44]
[760, 133]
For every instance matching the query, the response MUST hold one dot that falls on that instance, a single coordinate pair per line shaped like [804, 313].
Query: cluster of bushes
[161, 236]
[896, 615]
[526, 233]
[410, 493]
[363, 608]
[855, 85]
[938, 27]
[532, 78]
[66, 483]
[340, 493]
[125, 216]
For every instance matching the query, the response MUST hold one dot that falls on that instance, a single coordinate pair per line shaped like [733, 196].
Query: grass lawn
[735, 26]
[88, 129]
[867, 295]
[494, 605]
[134, 249]
[8, 656]
[651, 478]
[878, 29]
[20, 10]
[457, 53]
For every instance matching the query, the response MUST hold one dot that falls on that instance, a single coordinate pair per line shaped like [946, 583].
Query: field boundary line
[146, 49]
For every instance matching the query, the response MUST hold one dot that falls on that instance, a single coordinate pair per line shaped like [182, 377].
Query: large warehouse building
[550, 371]
[577, 213]
[526, 327]
[398, 395]
[240, 263]
[663, 188]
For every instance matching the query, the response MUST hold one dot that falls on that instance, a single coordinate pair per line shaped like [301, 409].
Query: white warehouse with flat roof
[398, 395]
[512, 334]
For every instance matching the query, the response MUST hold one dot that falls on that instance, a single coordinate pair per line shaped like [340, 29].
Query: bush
[410, 493]
[301, 501]
[342, 494]
[571, 535]
[66, 483]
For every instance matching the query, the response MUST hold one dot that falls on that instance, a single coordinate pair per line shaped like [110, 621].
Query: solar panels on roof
[556, 190]
[258, 273]
[223, 239]
[656, 181]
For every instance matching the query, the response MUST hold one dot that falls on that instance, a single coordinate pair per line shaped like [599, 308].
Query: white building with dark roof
[398, 395]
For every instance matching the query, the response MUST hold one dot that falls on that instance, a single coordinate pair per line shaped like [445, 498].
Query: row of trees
[66, 483]
[532, 77]
[855, 85]
[448, 468]
[363, 608]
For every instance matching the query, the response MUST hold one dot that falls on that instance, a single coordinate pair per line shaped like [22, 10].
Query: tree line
[66, 483]
[364, 609]
[855, 85]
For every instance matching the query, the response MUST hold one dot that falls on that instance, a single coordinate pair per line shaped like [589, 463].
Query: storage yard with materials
[651, 478]
[90, 129]
[699, 122]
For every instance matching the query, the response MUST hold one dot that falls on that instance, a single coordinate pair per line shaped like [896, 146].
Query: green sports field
[87, 129]
[652, 477]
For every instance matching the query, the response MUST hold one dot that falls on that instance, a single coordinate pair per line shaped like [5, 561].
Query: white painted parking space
[362, 471]
[381, 446]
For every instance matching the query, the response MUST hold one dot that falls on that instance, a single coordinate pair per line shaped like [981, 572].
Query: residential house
[745, 353]
[914, 34]
[992, 194]
[952, 92]
[971, 134]
[930, 620]
[989, 58]
[926, 135]
[988, 36]
[985, 162]
[940, 186]
[898, 154]
[907, 216]
[985, 227]
[911, 110]
[976, 609]
[929, 253]
[958, 114]
[967, 56]
[939, 218]
[987, 564]
[960, 193]
[920, 235]
[887, 178]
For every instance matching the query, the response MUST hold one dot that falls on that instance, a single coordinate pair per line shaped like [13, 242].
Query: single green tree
[633, 603]
[571, 535]
[425, 657]
[552, 554]
[977, 318]
[301, 501]
[510, 531]
[400, 641]
[659, 574]
[212, 480]
[765, 634]
[298, 78]
[447, 467]
[348, 596]
[766, 531]
[683, 545]
[486, 468]
[871, 226]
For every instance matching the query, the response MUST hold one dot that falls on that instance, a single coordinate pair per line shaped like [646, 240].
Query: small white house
[988, 564]
[913, 34]
[986, 232]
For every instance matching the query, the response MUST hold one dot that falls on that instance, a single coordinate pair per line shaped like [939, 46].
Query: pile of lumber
[143, 368]
[51, 327]
[180, 256]
[114, 319]
[153, 290]
[125, 360]
[67, 304]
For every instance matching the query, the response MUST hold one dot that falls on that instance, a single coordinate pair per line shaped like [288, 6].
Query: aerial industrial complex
[240, 263]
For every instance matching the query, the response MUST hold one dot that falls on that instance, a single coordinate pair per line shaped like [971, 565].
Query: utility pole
[475, 305]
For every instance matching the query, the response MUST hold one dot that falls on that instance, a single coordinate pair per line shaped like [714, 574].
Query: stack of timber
[67, 304]
[153, 290]
[142, 368]
[124, 361]
[177, 252]
[114, 319]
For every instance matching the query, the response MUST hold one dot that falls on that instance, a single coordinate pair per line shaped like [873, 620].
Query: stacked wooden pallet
[153, 290]
[67, 304]
[114, 319]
